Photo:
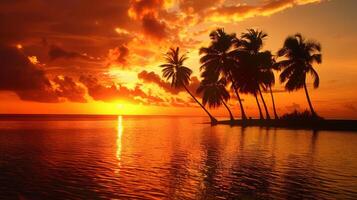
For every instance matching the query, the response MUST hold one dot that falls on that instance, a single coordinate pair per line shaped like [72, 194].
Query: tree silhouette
[252, 42]
[300, 56]
[249, 76]
[271, 67]
[215, 94]
[218, 58]
[179, 74]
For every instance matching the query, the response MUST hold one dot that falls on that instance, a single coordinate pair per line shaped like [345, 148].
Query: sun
[120, 108]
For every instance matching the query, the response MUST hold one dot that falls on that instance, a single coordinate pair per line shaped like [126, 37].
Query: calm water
[172, 158]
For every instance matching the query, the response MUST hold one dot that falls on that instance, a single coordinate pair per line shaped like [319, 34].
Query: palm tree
[252, 42]
[215, 94]
[219, 58]
[268, 79]
[179, 74]
[300, 56]
[271, 67]
[249, 76]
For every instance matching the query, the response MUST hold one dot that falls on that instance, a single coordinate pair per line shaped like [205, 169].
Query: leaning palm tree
[300, 56]
[252, 42]
[215, 94]
[218, 58]
[179, 74]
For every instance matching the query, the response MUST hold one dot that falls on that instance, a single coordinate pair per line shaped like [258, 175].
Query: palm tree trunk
[272, 99]
[213, 120]
[313, 113]
[260, 110]
[230, 112]
[244, 117]
[265, 105]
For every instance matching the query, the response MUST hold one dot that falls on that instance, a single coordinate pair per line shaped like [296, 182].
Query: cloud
[118, 55]
[21, 76]
[153, 27]
[152, 77]
[239, 12]
[147, 12]
[69, 89]
[115, 92]
[56, 52]
[140, 8]
[81, 26]
[126, 33]
[192, 6]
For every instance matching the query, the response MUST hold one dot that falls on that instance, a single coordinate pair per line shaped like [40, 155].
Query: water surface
[172, 158]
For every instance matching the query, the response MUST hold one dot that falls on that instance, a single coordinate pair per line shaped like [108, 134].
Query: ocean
[167, 157]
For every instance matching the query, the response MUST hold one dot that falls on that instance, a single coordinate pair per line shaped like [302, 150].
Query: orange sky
[102, 57]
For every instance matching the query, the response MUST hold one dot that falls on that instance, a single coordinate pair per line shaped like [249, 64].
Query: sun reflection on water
[119, 138]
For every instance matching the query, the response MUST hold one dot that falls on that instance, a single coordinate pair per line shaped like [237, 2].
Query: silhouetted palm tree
[252, 42]
[272, 67]
[267, 67]
[215, 94]
[300, 55]
[249, 76]
[179, 74]
[219, 58]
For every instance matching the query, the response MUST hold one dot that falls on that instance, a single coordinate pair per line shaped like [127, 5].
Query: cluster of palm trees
[241, 65]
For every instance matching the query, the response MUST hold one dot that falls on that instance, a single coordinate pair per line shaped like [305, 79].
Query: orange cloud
[140, 8]
[241, 12]
[152, 77]
[115, 92]
[67, 88]
[118, 55]
[153, 27]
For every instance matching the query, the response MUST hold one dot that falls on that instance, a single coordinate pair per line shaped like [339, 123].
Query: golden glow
[119, 138]
[33, 59]
[187, 27]
[121, 31]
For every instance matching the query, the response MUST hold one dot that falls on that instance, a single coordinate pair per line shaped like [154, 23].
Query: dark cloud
[153, 27]
[140, 8]
[56, 52]
[69, 89]
[81, 25]
[118, 55]
[30, 83]
[19, 75]
[150, 13]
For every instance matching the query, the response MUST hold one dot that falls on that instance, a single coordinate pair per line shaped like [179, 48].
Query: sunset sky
[102, 56]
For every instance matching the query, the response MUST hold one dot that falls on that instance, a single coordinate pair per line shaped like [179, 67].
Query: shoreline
[326, 124]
